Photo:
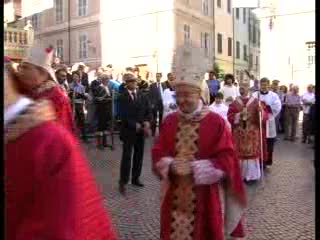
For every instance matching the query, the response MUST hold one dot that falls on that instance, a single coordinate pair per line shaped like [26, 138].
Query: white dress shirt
[133, 94]
[159, 85]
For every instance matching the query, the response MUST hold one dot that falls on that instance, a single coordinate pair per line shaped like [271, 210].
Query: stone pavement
[282, 207]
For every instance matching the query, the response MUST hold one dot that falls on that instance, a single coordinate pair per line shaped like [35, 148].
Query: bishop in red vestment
[37, 80]
[243, 114]
[50, 192]
[203, 195]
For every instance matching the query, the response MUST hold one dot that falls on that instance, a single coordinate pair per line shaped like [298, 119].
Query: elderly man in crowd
[135, 126]
[293, 107]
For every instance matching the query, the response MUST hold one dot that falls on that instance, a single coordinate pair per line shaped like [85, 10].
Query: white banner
[8, 12]
[245, 3]
[30, 7]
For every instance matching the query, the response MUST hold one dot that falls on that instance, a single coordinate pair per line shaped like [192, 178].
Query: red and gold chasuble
[246, 133]
[199, 212]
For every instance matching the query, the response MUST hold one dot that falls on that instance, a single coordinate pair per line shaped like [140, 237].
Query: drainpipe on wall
[214, 33]
[251, 37]
[157, 33]
[233, 41]
[69, 31]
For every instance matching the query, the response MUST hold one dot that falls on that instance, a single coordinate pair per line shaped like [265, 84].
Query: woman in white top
[229, 91]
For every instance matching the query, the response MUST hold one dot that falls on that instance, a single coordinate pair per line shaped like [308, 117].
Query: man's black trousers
[270, 147]
[137, 147]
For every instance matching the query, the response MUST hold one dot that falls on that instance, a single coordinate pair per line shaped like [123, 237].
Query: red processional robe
[218, 206]
[61, 102]
[50, 190]
[246, 135]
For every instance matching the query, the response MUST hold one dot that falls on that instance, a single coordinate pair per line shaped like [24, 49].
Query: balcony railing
[17, 42]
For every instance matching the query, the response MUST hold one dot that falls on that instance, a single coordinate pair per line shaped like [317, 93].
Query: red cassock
[212, 213]
[61, 104]
[51, 193]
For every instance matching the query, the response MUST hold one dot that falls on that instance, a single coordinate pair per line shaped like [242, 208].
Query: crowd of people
[211, 137]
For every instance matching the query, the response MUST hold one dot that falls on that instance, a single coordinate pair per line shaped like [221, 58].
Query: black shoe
[122, 189]
[137, 183]
[250, 182]
[85, 140]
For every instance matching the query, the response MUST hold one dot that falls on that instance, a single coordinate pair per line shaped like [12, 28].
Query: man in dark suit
[135, 126]
[155, 96]
[170, 77]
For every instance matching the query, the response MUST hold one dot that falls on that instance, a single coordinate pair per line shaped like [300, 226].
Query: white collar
[309, 93]
[12, 111]
[190, 115]
[218, 105]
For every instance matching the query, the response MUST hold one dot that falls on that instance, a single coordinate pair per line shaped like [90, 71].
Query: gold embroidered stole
[184, 201]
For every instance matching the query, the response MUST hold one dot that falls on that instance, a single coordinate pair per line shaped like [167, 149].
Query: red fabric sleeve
[62, 108]
[66, 204]
[53, 213]
[266, 107]
[162, 146]
[226, 160]
[232, 111]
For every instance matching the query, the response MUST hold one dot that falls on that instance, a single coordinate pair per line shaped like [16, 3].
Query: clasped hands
[203, 171]
[145, 127]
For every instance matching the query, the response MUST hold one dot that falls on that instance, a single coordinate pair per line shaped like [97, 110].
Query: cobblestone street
[282, 207]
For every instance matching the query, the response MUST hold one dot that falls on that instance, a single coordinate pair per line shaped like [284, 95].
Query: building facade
[168, 35]
[185, 36]
[73, 28]
[288, 37]
[224, 38]
[254, 45]
[246, 42]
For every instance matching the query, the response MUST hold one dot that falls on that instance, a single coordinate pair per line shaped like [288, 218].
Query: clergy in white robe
[273, 103]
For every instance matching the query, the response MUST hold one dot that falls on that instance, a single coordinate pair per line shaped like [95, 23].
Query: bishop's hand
[181, 167]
